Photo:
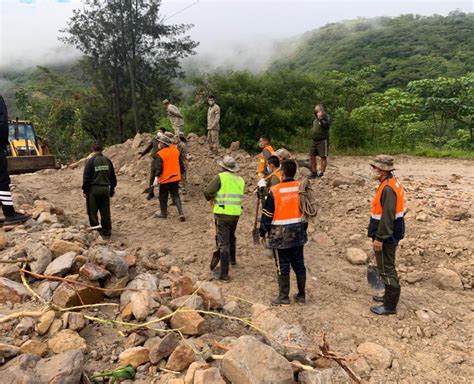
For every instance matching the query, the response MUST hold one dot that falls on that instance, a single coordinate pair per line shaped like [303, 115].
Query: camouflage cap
[283, 153]
[165, 101]
[165, 140]
[229, 163]
[383, 162]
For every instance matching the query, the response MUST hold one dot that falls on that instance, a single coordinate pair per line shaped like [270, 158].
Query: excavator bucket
[28, 164]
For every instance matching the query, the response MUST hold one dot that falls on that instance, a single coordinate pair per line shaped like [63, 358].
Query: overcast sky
[29, 28]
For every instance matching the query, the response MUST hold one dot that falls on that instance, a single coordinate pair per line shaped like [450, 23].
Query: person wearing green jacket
[226, 192]
[98, 185]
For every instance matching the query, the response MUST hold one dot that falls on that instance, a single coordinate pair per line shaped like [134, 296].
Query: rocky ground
[227, 332]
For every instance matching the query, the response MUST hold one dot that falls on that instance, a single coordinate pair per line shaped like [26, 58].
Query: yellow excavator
[27, 152]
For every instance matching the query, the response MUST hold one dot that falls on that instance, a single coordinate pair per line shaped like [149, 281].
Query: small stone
[377, 357]
[447, 280]
[34, 347]
[142, 304]
[135, 340]
[181, 286]
[361, 367]
[110, 260]
[188, 301]
[356, 256]
[323, 376]
[65, 368]
[414, 277]
[208, 376]
[423, 315]
[189, 378]
[66, 340]
[65, 296]
[12, 291]
[114, 282]
[61, 265]
[3, 240]
[163, 348]
[42, 256]
[25, 326]
[93, 272]
[190, 323]
[55, 327]
[8, 351]
[231, 307]
[323, 240]
[127, 312]
[211, 295]
[180, 359]
[135, 356]
[76, 321]
[44, 322]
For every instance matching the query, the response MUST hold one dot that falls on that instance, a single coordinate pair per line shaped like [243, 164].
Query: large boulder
[447, 280]
[252, 362]
[66, 340]
[65, 368]
[284, 337]
[377, 357]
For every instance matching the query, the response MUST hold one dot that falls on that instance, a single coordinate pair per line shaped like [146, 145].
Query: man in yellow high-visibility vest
[226, 191]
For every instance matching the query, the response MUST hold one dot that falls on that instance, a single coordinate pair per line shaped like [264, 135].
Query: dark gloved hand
[260, 193]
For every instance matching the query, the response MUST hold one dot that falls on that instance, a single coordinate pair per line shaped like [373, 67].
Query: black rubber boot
[389, 307]
[163, 210]
[300, 297]
[313, 175]
[17, 218]
[180, 209]
[284, 287]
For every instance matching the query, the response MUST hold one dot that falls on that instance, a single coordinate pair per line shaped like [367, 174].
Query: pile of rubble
[72, 305]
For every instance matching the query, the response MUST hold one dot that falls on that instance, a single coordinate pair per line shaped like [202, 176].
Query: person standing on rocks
[283, 222]
[267, 151]
[183, 154]
[169, 168]
[226, 192]
[320, 143]
[386, 229]
[152, 148]
[98, 185]
[175, 116]
[6, 200]
[213, 124]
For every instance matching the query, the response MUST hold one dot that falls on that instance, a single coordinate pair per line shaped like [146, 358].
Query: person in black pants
[99, 183]
[11, 216]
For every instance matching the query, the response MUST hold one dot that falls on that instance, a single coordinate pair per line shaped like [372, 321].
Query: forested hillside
[398, 85]
[398, 50]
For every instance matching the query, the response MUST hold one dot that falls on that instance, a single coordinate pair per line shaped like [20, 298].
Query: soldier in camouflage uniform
[175, 116]
[98, 186]
[153, 149]
[213, 125]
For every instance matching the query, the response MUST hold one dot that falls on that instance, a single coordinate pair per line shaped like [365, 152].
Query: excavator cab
[27, 152]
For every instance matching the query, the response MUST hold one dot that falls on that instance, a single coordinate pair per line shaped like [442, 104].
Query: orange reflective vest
[171, 169]
[393, 183]
[263, 160]
[287, 203]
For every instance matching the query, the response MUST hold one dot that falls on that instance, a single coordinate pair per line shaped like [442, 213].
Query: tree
[131, 57]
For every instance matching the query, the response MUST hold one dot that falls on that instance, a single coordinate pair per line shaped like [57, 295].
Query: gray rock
[447, 280]
[323, 376]
[356, 256]
[142, 281]
[8, 351]
[110, 260]
[65, 368]
[188, 301]
[25, 326]
[12, 291]
[42, 255]
[21, 370]
[252, 362]
[61, 265]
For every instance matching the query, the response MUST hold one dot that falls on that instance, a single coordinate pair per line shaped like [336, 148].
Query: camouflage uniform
[213, 118]
[176, 118]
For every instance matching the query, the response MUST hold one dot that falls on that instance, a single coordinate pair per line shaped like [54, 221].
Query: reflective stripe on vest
[393, 183]
[170, 157]
[228, 200]
[263, 161]
[287, 203]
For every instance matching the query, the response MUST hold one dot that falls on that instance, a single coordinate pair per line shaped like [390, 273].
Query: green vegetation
[394, 85]
[399, 49]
